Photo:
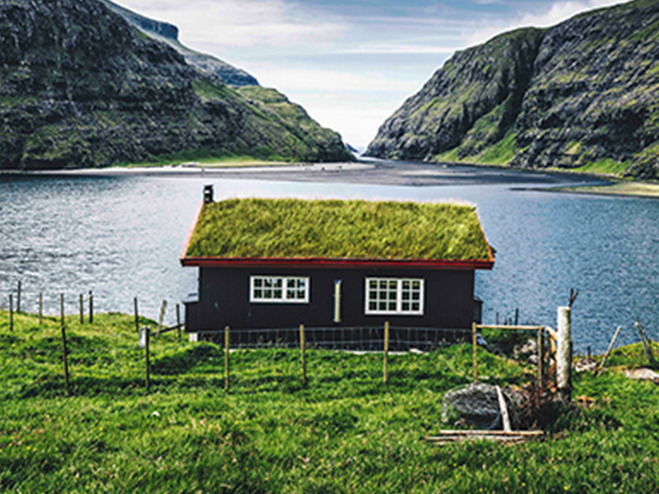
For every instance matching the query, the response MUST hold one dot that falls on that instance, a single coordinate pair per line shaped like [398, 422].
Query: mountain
[168, 33]
[580, 95]
[82, 87]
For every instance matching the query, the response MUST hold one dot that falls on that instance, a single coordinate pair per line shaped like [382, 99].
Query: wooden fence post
[178, 320]
[475, 344]
[647, 346]
[137, 315]
[147, 341]
[386, 352]
[40, 308]
[608, 350]
[64, 357]
[163, 308]
[11, 312]
[226, 358]
[304, 358]
[541, 359]
[18, 298]
[82, 309]
[564, 352]
[91, 306]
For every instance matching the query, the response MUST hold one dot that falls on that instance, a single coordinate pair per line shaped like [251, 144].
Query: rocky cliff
[81, 87]
[581, 95]
[168, 33]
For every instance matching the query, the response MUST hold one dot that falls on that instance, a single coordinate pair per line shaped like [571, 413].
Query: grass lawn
[344, 432]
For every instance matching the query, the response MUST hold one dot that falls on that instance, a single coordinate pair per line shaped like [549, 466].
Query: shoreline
[379, 172]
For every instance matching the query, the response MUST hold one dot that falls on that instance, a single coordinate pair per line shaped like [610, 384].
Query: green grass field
[344, 432]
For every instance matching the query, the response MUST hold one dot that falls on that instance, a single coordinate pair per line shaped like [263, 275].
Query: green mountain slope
[81, 87]
[168, 33]
[581, 95]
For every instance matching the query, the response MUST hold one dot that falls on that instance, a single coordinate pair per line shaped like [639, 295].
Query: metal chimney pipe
[208, 194]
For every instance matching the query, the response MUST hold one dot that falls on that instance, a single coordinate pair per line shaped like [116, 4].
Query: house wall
[224, 300]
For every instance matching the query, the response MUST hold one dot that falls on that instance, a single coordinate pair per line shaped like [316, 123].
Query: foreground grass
[345, 432]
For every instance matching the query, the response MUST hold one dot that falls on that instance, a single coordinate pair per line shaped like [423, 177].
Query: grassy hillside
[346, 432]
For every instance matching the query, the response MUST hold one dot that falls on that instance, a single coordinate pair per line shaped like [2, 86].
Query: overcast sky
[350, 63]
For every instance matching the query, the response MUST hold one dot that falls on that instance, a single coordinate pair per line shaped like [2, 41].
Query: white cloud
[398, 49]
[558, 12]
[242, 23]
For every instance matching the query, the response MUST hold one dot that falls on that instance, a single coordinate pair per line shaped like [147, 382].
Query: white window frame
[398, 299]
[284, 295]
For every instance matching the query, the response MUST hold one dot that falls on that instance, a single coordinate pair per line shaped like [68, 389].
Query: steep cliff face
[168, 33]
[80, 86]
[583, 94]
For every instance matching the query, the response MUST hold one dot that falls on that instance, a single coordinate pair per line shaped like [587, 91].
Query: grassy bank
[345, 432]
[625, 188]
[211, 160]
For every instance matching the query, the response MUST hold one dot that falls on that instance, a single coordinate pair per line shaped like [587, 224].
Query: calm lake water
[121, 236]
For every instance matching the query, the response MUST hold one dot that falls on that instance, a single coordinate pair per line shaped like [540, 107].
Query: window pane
[392, 306]
[372, 284]
[416, 285]
[383, 284]
[406, 295]
[290, 293]
[258, 282]
[405, 306]
[278, 282]
[406, 284]
[267, 293]
[382, 306]
[372, 306]
[258, 293]
[267, 282]
[290, 283]
[415, 306]
[278, 294]
[392, 285]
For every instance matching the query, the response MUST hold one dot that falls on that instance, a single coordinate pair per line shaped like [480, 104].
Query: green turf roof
[337, 229]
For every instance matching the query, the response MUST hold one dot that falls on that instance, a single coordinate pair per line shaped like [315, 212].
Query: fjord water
[121, 236]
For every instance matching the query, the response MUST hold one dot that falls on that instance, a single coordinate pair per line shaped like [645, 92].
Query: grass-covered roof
[337, 229]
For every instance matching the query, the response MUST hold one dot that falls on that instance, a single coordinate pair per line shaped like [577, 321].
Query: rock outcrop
[81, 87]
[581, 95]
[168, 33]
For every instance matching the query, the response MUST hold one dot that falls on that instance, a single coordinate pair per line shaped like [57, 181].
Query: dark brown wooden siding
[224, 300]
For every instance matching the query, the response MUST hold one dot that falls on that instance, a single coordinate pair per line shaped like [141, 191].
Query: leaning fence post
[386, 352]
[304, 358]
[163, 308]
[647, 346]
[226, 358]
[178, 320]
[18, 298]
[475, 344]
[564, 352]
[11, 312]
[40, 308]
[64, 358]
[91, 307]
[82, 309]
[608, 350]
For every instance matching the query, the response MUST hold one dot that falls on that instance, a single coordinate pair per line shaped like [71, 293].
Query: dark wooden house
[278, 263]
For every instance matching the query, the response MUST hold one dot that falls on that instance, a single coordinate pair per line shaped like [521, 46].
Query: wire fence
[358, 338]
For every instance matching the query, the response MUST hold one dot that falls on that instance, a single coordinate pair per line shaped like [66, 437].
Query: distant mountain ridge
[580, 95]
[168, 33]
[81, 87]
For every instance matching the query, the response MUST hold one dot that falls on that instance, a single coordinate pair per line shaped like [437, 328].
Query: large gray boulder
[476, 405]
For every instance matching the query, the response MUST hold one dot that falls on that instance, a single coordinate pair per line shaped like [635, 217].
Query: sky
[350, 64]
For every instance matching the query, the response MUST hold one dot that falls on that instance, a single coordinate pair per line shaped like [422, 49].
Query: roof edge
[190, 233]
[336, 263]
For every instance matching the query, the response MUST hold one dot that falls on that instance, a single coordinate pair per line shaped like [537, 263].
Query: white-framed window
[279, 289]
[402, 296]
